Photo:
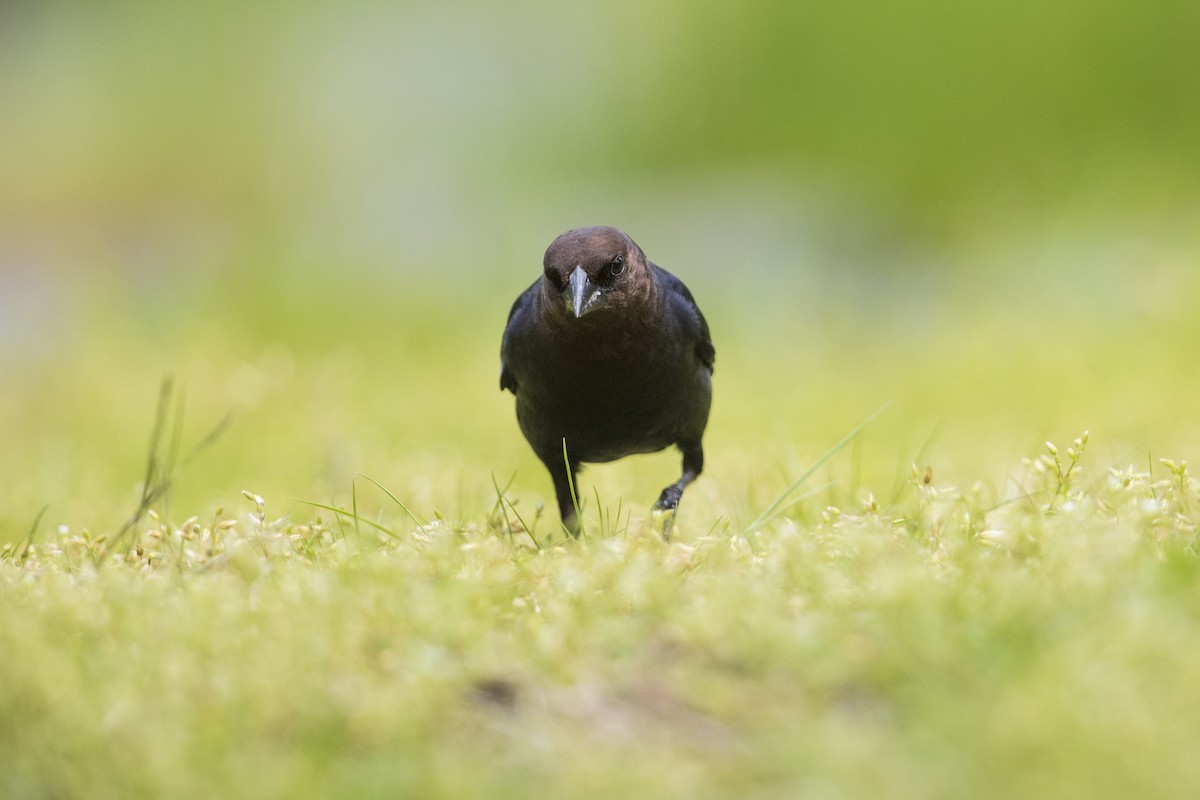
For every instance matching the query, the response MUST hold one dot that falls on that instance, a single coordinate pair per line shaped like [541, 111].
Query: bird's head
[587, 269]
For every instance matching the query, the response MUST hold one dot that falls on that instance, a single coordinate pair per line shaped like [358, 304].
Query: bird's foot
[572, 526]
[666, 507]
[666, 519]
[669, 499]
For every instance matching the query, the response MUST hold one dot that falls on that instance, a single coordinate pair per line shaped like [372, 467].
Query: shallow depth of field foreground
[913, 648]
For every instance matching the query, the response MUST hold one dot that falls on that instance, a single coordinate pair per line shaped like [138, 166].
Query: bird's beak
[582, 294]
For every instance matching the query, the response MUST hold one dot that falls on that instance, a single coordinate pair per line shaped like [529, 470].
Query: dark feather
[631, 377]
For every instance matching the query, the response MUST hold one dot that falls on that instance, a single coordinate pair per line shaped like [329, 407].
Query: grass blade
[398, 502]
[23, 545]
[571, 486]
[777, 507]
[341, 512]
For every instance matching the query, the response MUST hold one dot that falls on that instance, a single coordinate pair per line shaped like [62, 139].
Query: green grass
[936, 646]
[356, 588]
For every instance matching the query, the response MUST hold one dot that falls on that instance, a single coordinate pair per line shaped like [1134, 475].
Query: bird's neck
[636, 312]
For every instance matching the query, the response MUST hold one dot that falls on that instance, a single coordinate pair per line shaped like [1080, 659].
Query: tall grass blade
[398, 502]
[777, 507]
[571, 485]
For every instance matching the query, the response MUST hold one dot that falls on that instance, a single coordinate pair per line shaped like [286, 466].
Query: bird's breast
[609, 403]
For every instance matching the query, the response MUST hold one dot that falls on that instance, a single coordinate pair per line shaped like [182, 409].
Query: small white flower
[996, 537]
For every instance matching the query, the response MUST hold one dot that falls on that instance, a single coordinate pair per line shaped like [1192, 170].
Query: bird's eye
[617, 266]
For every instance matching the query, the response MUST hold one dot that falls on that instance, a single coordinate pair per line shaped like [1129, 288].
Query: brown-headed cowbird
[611, 354]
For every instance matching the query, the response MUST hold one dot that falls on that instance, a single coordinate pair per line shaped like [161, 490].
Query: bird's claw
[573, 526]
[666, 518]
[669, 499]
[666, 508]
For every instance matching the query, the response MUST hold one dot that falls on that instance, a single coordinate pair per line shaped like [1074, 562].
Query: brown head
[589, 269]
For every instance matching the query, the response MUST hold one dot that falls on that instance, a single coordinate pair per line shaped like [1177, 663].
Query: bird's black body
[611, 353]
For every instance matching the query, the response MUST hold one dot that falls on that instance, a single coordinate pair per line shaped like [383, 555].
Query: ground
[936, 604]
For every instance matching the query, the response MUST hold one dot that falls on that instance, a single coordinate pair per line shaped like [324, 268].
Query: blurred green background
[318, 214]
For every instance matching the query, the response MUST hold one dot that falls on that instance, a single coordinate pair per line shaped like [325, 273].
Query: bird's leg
[668, 501]
[563, 473]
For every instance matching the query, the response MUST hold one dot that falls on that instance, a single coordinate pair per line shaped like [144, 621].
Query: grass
[314, 220]
[356, 588]
[940, 645]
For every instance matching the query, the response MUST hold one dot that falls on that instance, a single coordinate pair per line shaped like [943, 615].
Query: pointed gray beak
[582, 294]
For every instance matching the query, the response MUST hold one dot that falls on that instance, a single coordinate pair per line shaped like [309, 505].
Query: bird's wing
[507, 381]
[685, 305]
[519, 319]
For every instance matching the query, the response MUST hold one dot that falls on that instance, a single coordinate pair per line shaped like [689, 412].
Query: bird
[608, 355]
